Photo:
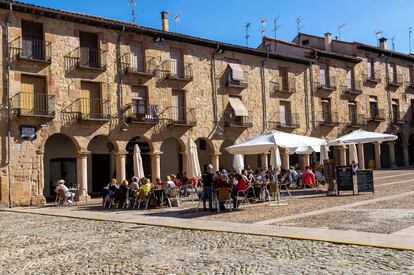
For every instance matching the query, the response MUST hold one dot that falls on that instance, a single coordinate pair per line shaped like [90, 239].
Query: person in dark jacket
[208, 179]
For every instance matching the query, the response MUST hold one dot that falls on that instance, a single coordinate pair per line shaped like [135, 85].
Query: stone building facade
[83, 90]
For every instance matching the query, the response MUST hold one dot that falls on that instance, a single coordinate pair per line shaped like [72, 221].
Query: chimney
[328, 41]
[383, 43]
[164, 20]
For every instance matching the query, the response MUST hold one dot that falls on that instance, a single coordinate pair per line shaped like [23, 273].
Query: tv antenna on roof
[393, 43]
[410, 30]
[177, 19]
[132, 6]
[299, 25]
[262, 23]
[247, 26]
[377, 35]
[276, 26]
[339, 27]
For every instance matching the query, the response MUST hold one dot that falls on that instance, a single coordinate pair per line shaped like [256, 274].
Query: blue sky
[224, 20]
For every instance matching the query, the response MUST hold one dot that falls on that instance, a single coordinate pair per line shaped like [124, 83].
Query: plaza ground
[87, 239]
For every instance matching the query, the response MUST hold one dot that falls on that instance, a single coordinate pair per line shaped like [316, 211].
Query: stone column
[342, 154]
[361, 156]
[377, 149]
[120, 166]
[38, 197]
[392, 154]
[284, 158]
[264, 161]
[156, 165]
[82, 175]
[215, 161]
[406, 155]
[305, 160]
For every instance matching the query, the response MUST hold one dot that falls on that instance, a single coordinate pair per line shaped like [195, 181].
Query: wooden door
[32, 39]
[178, 106]
[326, 111]
[89, 50]
[139, 101]
[323, 74]
[349, 78]
[391, 72]
[91, 100]
[33, 97]
[177, 66]
[283, 75]
[283, 109]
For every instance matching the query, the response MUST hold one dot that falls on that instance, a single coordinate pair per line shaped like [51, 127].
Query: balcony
[143, 114]
[31, 49]
[353, 88]
[410, 86]
[396, 80]
[284, 120]
[34, 105]
[328, 85]
[177, 70]
[237, 83]
[377, 115]
[132, 65]
[373, 77]
[327, 119]
[398, 118]
[233, 121]
[182, 116]
[280, 86]
[357, 121]
[93, 109]
[87, 59]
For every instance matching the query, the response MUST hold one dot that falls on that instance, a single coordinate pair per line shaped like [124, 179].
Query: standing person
[60, 185]
[208, 178]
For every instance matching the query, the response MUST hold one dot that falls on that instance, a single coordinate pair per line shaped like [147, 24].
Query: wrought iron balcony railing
[233, 121]
[373, 77]
[34, 104]
[398, 117]
[30, 48]
[285, 120]
[143, 114]
[280, 86]
[236, 83]
[133, 64]
[352, 88]
[93, 109]
[357, 120]
[182, 116]
[177, 70]
[329, 84]
[329, 119]
[395, 80]
[376, 115]
[87, 58]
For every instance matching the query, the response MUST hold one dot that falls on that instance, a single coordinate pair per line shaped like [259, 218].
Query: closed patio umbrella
[138, 168]
[353, 155]
[193, 164]
[323, 153]
[238, 161]
[275, 160]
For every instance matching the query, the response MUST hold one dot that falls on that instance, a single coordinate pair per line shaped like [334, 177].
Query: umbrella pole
[278, 193]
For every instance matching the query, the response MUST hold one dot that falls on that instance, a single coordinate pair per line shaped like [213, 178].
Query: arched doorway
[226, 159]
[411, 149]
[101, 163]
[59, 163]
[172, 157]
[145, 148]
[399, 151]
[204, 151]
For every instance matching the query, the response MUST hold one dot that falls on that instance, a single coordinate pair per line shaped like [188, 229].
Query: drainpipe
[8, 104]
[120, 106]
[312, 95]
[388, 90]
[305, 88]
[263, 87]
[214, 89]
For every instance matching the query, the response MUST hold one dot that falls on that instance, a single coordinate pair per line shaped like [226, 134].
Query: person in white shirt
[60, 185]
[169, 183]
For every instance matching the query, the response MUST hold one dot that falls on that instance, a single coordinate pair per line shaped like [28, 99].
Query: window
[395, 109]
[349, 78]
[139, 100]
[284, 113]
[371, 68]
[324, 74]
[283, 75]
[326, 109]
[89, 50]
[178, 106]
[392, 72]
[137, 56]
[177, 64]
[91, 99]
[411, 76]
[32, 40]
[412, 110]
[352, 112]
[33, 94]
[373, 106]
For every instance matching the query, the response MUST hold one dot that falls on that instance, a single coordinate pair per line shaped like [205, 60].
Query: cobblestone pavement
[35, 244]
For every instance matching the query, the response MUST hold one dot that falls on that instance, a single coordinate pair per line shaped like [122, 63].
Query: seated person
[241, 185]
[121, 193]
[308, 177]
[287, 177]
[110, 189]
[158, 183]
[355, 167]
[219, 182]
[295, 176]
[319, 175]
[147, 187]
[169, 183]
[175, 180]
[60, 185]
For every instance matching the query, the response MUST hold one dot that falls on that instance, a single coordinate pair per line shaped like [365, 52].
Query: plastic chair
[223, 195]
[172, 195]
[286, 184]
[271, 190]
[142, 198]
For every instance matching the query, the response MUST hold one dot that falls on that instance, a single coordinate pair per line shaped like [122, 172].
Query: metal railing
[231, 120]
[395, 80]
[34, 104]
[357, 120]
[93, 108]
[328, 84]
[178, 70]
[373, 77]
[327, 118]
[181, 115]
[87, 58]
[139, 64]
[143, 113]
[352, 87]
[31, 48]
[398, 117]
[278, 85]
[236, 83]
[376, 115]
[284, 120]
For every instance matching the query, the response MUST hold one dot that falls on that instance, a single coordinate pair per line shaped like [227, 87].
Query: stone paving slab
[396, 241]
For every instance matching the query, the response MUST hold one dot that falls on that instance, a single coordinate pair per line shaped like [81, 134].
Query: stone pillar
[156, 165]
[342, 154]
[82, 176]
[264, 161]
[305, 160]
[215, 161]
[361, 156]
[38, 197]
[392, 154]
[406, 155]
[120, 166]
[284, 158]
[377, 149]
